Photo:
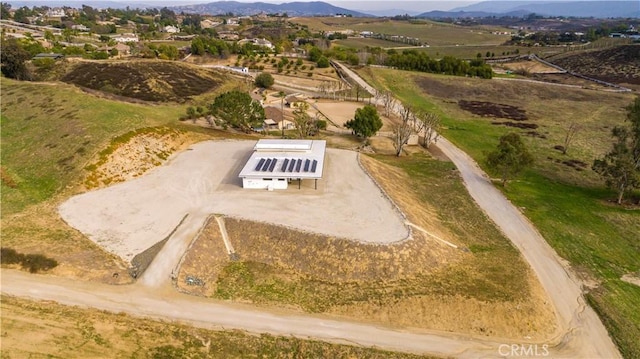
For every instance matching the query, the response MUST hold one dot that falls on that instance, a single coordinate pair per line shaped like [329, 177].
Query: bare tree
[389, 102]
[429, 124]
[402, 131]
[570, 133]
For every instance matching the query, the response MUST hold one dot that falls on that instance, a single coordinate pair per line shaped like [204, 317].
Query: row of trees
[448, 65]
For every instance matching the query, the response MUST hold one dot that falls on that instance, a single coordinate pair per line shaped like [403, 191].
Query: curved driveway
[580, 335]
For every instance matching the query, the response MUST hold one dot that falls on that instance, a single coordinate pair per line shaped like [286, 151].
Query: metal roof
[291, 159]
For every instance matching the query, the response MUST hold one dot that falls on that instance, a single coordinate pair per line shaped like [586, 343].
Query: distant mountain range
[313, 8]
[597, 9]
[518, 8]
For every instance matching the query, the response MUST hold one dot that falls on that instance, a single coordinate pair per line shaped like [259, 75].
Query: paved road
[580, 335]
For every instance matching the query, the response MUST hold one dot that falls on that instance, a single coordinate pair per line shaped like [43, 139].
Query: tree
[389, 102]
[238, 110]
[323, 62]
[5, 13]
[621, 166]
[13, 58]
[509, 158]
[366, 122]
[67, 35]
[429, 124]
[264, 80]
[302, 119]
[570, 133]
[402, 131]
[315, 54]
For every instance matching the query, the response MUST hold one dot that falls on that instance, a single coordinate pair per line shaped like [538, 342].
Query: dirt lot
[130, 217]
[533, 67]
[421, 283]
[342, 111]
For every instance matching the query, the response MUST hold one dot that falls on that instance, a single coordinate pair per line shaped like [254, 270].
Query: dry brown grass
[415, 283]
[39, 230]
[140, 153]
[50, 330]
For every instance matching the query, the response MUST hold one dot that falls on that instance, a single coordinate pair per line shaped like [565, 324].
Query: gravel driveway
[129, 217]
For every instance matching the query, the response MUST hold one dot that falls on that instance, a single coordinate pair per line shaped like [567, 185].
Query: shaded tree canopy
[620, 168]
[238, 110]
[420, 61]
[264, 80]
[366, 122]
[13, 58]
[509, 158]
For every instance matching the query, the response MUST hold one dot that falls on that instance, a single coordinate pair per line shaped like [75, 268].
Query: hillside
[312, 8]
[144, 81]
[619, 65]
[598, 9]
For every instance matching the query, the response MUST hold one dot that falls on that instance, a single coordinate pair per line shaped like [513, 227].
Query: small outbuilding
[276, 163]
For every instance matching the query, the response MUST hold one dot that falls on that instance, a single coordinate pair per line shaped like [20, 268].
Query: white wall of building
[261, 183]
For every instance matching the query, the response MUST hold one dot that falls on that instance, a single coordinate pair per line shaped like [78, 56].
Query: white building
[275, 163]
[170, 29]
[124, 38]
[56, 12]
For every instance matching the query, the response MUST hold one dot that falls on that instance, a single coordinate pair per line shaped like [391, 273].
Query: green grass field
[570, 208]
[50, 132]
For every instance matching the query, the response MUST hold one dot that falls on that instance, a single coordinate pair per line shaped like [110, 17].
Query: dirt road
[166, 304]
[581, 334]
[580, 327]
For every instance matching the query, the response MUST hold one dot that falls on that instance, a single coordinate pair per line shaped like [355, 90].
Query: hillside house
[56, 12]
[124, 38]
[170, 29]
[274, 119]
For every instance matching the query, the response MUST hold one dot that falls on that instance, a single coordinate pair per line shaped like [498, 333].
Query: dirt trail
[580, 328]
[581, 333]
[166, 304]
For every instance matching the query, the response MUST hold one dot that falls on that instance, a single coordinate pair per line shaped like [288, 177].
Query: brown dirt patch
[513, 93]
[77, 257]
[138, 155]
[152, 81]
[528, 67]
[490, 109]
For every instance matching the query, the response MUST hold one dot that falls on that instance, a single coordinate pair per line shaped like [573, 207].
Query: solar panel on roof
[307, 162]
[298, 165]
[273, 164]
[292, 165]
[314, 165]
[260, 163]
[266, 164]
[284, 165]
